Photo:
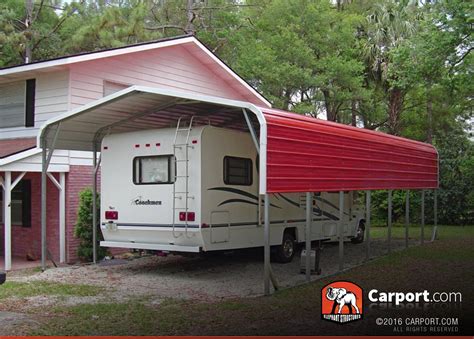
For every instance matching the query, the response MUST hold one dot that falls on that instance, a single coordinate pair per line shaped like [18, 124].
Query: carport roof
[297, 153]
[137, 108]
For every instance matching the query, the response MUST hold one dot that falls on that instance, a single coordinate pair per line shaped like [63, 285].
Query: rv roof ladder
[179, 144]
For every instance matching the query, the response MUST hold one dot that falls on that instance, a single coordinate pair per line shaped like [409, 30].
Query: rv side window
[237, 171]
[157, 169]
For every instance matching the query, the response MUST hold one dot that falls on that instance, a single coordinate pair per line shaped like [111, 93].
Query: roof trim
[85, 56]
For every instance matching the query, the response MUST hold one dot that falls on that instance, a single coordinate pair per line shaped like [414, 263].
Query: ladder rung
[183, 129]
[179, 145]
[180, 193]
[181, 208]
[181, 176]
[181, 160]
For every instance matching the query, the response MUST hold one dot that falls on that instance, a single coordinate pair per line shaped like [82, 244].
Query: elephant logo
[341, 302]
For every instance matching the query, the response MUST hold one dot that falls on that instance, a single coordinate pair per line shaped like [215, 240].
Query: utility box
[313, 261]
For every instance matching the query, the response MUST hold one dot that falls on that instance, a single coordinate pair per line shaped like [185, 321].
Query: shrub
[83, 227]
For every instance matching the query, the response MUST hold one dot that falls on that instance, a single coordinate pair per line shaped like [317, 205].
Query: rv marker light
[111, 215]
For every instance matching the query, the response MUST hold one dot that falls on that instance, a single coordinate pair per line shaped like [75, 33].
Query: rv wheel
[359, 237]
[286, 251]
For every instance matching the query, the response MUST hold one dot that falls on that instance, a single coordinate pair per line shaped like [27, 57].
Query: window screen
[12, 104]
[237, 171]
[158, 169]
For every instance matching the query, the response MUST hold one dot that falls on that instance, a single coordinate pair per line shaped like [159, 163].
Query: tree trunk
[353, 113]
[395, 103]
[429, 112]
[190, 16]
[331, 113]
[29, 5]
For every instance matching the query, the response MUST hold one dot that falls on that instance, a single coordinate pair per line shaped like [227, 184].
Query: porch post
[62, 217]
[8, 221]
[309, 214]
[389, 221]
[367, 224]
[266, 247]
[94, 204]
[341, 230]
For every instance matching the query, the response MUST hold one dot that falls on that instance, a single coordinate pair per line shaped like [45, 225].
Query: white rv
[196, 190]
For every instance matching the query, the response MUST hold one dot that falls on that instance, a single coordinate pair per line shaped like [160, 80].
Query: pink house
[30, 94]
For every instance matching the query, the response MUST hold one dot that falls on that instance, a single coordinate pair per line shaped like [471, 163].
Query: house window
[237, 171]
[20, 204]
[17, 104]
[157, 169]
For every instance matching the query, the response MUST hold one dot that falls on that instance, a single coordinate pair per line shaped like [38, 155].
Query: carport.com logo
[341, 302]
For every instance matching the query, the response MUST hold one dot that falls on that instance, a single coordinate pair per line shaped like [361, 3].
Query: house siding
[52, 99]
[171, 67]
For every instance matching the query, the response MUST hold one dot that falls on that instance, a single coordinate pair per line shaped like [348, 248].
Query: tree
[83, 227]
[389, 23]
[29, 30]
[301, 55]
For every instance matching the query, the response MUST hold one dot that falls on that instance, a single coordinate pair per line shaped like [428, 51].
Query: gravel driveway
[220, 276]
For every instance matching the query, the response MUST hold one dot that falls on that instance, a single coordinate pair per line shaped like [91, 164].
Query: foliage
[83, 228]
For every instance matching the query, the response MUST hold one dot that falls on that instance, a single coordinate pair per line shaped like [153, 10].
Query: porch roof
[13, 146]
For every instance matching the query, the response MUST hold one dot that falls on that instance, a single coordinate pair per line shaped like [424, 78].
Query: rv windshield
[153, 170]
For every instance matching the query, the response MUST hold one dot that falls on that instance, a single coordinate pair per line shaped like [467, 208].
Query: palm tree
[389, 23]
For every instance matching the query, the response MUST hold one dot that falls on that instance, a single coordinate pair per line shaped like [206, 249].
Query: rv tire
[359, 237]
[286, 251]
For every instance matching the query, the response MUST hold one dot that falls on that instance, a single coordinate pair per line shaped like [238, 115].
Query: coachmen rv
[195, 189]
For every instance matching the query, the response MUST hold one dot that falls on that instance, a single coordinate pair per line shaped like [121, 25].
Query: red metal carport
[308, 154]
[297, 153]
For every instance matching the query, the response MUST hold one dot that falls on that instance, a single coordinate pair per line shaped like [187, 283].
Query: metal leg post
[389, 222]
[422, 241]
[309, 214]
[407, 216]
[435, 211]
[266, 248]
[367, 224]
[341, 230]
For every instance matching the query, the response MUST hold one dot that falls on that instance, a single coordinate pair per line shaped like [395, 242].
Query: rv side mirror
[3, 277]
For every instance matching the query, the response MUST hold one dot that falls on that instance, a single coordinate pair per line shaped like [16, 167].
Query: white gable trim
[93, 56]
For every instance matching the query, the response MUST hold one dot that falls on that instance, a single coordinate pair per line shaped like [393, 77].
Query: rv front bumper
[147, 246]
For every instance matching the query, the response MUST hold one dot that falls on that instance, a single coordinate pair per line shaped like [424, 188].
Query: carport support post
[94, 204]
[367, 224]
[340, 230]
[309, 214]
[435, 211]
[389, 222]
[407, 216]
[422, 241]
[266, 246]
[43, 203]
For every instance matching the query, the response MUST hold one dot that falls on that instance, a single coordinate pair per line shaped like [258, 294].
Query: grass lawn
[30, 289]
[445, 265]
